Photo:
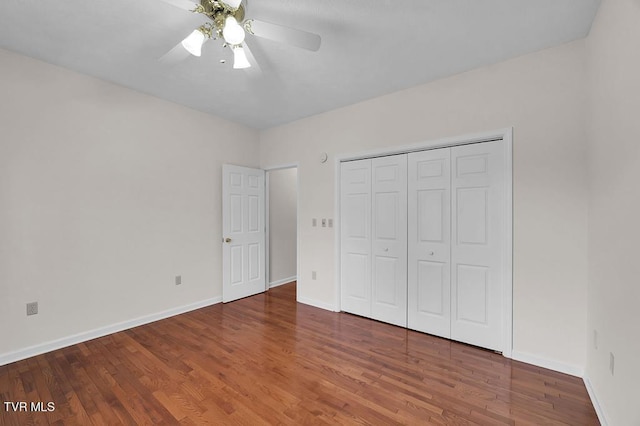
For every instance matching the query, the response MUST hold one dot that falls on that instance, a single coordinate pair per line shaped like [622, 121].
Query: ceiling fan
[226, 21]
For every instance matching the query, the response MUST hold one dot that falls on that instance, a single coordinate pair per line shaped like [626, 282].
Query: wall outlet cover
[178, 279]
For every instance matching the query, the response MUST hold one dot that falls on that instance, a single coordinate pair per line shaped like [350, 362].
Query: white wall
[542, 96]
[614, 209]
[105, 195]
[283, 212]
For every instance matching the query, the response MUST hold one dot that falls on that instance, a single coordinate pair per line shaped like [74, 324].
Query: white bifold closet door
[374, 238]
[456, 243]
[389, 239]
[478, 244]
[429, 243]
[355, 237]
[423, 241]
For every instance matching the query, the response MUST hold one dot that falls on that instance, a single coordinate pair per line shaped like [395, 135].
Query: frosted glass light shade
[193, 43]
[232, 3]
[233, 33]
[240, 60]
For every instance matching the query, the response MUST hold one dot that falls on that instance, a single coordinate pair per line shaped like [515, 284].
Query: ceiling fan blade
[182, 4]
[281, 34]
[175, 55]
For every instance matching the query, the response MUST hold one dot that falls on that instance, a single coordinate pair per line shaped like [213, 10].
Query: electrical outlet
[612, 361]
[595, 339]
[32, 308]
[314, 222]
[313, 275]
[178, 279]
[324, 223]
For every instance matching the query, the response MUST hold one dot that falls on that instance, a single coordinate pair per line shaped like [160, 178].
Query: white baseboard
[52, 345]
[282, 281]
[595, 402]
[317, 304]
[561, 367]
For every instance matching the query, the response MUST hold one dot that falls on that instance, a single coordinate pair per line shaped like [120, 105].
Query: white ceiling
[369, 47]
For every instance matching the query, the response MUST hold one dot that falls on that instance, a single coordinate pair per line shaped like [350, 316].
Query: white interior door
[355, 237]
[429, 243]
[389, 239]
[243, 232]
[478, 244]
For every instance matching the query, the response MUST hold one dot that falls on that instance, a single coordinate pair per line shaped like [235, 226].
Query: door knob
[227, 240]
[385, 249]
[431, 253]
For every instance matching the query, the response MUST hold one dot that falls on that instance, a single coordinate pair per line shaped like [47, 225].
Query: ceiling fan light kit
[193, 43]
[227, 22]
[240, 60]
[224, 17]
[232, 32]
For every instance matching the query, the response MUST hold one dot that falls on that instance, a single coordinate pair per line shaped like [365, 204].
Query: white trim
[507, 295]
[282, 281]
[316, 303]
[594, 401]
[337, 299]
[432, 144]
[281, 167]
[572, 370]
[267, 232]
[297, 224]
[102, 331]
[506, 135]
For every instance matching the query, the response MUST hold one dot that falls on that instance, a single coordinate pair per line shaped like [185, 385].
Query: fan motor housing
[217, 11]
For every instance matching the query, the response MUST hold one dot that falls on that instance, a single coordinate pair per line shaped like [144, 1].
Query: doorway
[282, 226]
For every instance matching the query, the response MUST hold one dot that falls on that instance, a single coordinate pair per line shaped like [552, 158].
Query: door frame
[506, 135]
[268, 227]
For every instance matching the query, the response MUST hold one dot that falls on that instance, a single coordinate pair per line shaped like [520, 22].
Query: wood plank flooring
[268, 360]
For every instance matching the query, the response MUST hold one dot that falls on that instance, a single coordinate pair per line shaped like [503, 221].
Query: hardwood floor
[268, 360]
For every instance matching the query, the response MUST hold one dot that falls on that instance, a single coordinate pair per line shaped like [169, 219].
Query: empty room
[319, 212]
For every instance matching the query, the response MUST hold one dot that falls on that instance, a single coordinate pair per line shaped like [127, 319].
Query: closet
[422, 241]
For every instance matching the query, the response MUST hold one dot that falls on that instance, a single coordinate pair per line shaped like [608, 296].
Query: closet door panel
[478, 244]
[429, 229]
[389, 239]
[355, 237]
